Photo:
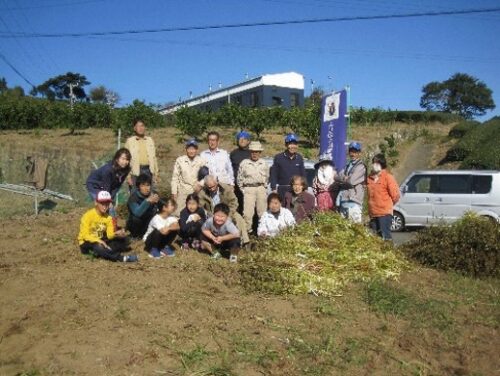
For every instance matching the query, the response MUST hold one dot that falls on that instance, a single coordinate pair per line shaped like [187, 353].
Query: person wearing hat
[322, 184]
[185, 174]
[285, 165]
[97, 235]
[237, 156]
[350, 183]
[253, 178]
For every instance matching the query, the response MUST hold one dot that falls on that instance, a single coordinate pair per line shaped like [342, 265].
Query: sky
[386, 62]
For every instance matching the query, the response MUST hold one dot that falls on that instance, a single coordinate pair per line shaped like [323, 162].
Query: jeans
[382, 226]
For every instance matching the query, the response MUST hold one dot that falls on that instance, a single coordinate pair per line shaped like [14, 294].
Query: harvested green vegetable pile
[319, 257]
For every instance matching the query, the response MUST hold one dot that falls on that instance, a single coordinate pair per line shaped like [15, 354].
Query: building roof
[290, 80]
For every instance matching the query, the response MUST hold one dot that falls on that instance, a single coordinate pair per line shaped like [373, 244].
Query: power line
[2, 56]
[55, 5]
[252, 24]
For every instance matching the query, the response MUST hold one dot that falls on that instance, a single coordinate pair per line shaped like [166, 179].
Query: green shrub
[470, 246]
[459, 130]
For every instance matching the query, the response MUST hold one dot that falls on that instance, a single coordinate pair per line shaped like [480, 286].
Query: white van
[434, 196]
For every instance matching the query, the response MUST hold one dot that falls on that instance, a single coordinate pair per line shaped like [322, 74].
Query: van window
[481, 183]
[454, 184]
[420, 184]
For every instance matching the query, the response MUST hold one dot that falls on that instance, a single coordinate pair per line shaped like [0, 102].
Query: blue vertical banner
[334, 124]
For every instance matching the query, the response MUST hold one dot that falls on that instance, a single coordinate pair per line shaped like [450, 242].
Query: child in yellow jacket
[97, 235]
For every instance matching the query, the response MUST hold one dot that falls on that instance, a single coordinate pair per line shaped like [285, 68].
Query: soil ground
[62, 313]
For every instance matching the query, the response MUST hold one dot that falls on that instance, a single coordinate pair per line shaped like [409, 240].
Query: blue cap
[192, 142]
[291, 137]
[243, 134]
[355, 145]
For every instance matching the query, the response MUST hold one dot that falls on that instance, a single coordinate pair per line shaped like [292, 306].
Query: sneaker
[168, 251]
[216, 255]
[155, 253]
[130, 258]
[233, 258]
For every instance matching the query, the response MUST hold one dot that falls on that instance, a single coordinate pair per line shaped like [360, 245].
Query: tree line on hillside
[48, 108]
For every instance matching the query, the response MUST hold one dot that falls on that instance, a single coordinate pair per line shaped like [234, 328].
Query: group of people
[219, 199]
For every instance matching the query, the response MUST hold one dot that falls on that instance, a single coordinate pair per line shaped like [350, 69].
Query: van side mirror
[404, 188]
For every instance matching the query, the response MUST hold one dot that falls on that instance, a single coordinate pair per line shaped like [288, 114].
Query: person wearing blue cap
[185, 174]
[350, 184]
[237, 156]
[285, 165]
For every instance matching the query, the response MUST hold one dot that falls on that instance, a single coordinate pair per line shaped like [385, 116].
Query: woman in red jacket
[383, 193]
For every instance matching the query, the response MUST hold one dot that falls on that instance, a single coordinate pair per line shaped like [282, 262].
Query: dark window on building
[294, 99]
[254, 99]
[481, 183]
[454, 184]
[277, 101]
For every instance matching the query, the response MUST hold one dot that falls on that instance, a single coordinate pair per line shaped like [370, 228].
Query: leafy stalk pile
[319, 257]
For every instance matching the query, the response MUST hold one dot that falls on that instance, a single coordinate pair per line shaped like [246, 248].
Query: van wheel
[398, 222]
[490, 218]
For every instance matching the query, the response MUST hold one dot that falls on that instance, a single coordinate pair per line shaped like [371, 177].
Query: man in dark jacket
[285, 165]
[142, 207]
[237, 156]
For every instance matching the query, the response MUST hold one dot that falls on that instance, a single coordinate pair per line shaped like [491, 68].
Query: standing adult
[185, 174]
[143, 151]
[285, 165]
[350, 183]
[214, 193]
[253, 177]
[383, 193]
[237, 156]
[218, 161]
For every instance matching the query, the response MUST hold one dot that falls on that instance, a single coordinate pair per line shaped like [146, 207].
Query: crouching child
[219, 234]
[275, 219]
[97, 235]
[162, 230]
[191, 220]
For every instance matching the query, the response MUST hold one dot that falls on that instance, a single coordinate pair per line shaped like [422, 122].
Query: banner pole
[349, 133]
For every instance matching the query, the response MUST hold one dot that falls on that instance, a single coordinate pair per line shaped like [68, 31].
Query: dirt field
[62, 313]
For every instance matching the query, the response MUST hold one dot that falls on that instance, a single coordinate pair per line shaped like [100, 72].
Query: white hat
[255, 146]
[103, 197]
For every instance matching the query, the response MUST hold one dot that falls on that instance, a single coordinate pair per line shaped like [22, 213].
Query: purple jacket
[304, 205]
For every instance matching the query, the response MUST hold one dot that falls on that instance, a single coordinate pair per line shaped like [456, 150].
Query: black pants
[282, 189]
[159, 241]
[191, 233]
[137, 226]
[239, 195]
[117, 245]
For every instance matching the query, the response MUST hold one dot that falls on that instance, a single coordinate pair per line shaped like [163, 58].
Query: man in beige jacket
[143, 151]
[253, 178]
[185, 174]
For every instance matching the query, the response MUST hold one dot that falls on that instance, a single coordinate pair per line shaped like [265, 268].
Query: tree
[60, 87]
[101, 94]
[3, 85]
[461, 94]
[191, 121]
